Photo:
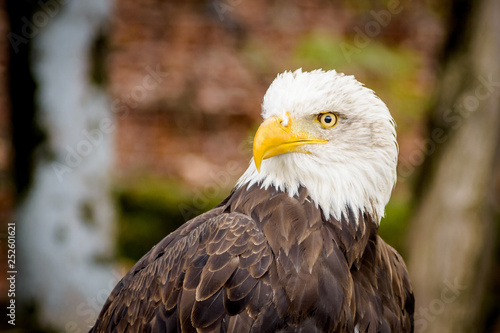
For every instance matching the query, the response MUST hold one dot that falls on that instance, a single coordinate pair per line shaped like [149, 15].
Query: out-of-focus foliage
[394, 226]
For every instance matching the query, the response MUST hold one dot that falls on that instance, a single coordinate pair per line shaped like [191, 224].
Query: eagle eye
[328, 119]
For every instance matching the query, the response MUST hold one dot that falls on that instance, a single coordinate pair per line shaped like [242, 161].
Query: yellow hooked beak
[277, 136]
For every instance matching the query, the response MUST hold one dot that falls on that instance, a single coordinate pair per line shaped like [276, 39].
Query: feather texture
[237, 269]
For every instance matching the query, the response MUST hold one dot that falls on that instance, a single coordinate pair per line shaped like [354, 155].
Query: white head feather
[356, 168]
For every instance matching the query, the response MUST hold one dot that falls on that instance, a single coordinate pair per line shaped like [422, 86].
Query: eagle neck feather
[292, 222]
[335, 189]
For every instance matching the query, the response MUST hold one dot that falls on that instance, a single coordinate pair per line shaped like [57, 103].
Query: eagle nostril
[284, 120]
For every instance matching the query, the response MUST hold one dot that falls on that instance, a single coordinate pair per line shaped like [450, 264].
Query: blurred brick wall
[187, 78]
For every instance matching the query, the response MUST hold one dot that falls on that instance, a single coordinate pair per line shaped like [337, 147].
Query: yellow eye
[328, 119]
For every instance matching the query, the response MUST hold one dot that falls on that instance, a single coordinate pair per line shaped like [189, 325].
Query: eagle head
[325, 131]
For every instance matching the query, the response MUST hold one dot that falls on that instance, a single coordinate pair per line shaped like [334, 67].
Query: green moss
[394, 226]
[321, 49]
[257, 55]
[150, 209]
[318, 50]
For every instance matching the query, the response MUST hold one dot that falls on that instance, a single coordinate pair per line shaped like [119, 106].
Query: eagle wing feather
[211, 267]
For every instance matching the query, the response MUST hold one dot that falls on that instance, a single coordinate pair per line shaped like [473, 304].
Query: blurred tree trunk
[452, 235]
[65, 220]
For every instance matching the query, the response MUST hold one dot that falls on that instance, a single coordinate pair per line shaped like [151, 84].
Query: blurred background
[120, 120]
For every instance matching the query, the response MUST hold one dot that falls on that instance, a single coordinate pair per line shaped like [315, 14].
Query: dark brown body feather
[263, 261]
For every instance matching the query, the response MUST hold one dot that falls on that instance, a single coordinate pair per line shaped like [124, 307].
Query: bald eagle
[294, 247]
